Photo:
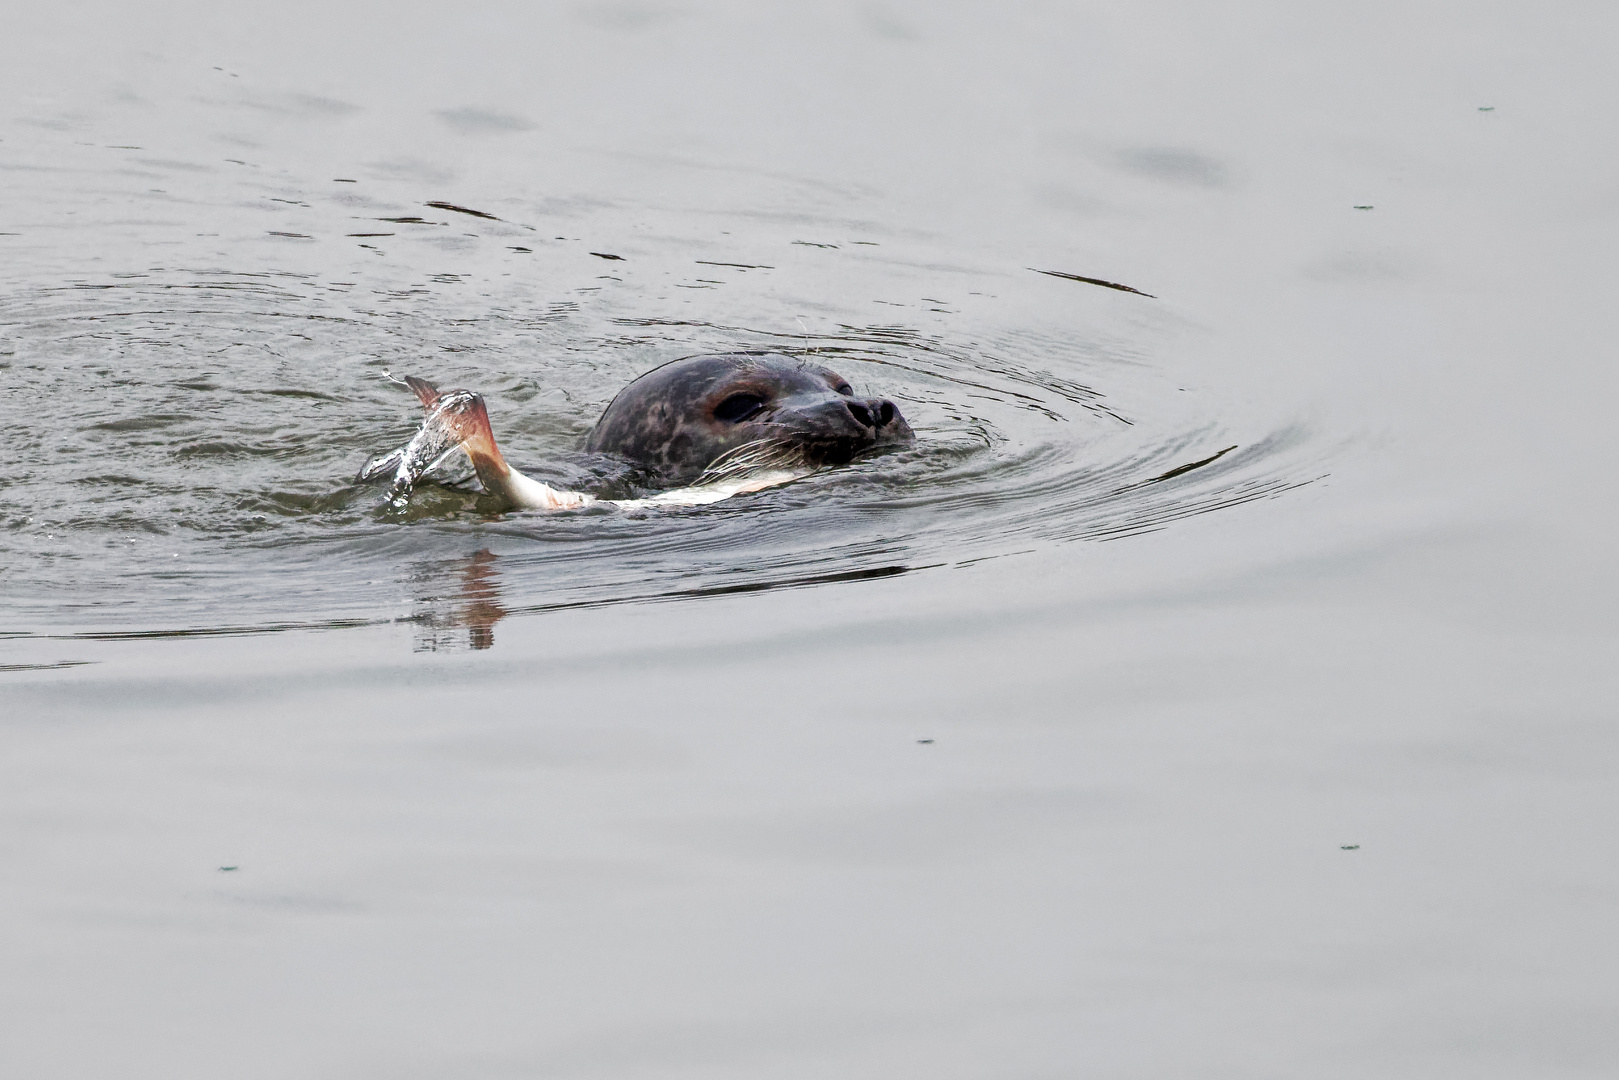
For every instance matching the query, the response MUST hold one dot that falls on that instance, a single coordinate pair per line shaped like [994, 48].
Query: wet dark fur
[666, 420]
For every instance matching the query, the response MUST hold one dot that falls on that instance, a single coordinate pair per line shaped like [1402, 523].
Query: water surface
[1222, 682]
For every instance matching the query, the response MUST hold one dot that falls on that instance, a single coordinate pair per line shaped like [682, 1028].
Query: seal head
[695, 416]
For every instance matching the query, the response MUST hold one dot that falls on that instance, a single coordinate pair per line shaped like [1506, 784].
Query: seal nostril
[885, 414]
[861, 413]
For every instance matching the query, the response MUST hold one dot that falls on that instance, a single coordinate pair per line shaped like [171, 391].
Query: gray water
[1221, 686]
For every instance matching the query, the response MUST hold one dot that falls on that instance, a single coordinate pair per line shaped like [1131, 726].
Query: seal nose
[873, 412]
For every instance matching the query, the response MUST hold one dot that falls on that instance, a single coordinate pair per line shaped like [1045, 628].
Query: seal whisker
[759, 455]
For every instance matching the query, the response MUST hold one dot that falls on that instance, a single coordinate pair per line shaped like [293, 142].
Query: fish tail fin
[462, 412]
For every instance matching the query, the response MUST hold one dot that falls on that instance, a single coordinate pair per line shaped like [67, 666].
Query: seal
[706, 427]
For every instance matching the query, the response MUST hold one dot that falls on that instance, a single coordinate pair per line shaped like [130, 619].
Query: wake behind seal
[702, 428]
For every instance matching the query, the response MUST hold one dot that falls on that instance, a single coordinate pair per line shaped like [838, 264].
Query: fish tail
[464, 414]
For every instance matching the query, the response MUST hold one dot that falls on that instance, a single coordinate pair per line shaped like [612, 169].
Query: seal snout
[846, 417]
[874, 413]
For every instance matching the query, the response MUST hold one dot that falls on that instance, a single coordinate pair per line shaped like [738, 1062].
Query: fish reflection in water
[474, 607]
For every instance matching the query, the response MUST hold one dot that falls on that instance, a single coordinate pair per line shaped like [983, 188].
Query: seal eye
[738, 407]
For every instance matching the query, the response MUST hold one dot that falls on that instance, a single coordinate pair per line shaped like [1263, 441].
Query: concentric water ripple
[184, 442]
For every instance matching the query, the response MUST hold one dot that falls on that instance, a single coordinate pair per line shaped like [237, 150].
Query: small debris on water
[436, 205]
[343, 180]
[925, 742]
[604, 255]
[1093, 281]
[1486, 108]
[1348, 847]
[1364, 208]
[524, 250]
[228, 869]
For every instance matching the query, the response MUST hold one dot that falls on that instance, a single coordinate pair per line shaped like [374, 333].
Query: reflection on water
[465, 618]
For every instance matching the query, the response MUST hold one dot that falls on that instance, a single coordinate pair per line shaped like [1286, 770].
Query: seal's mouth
[843, 451]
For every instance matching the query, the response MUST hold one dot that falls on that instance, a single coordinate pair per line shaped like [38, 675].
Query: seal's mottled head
[679, 419]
